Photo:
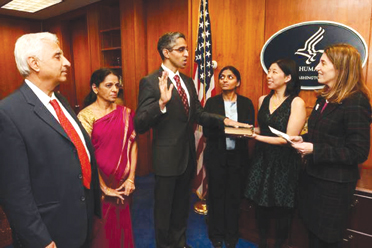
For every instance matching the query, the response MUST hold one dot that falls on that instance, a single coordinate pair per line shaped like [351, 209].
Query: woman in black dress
[273, 175]
[337, 141]
[224, 158]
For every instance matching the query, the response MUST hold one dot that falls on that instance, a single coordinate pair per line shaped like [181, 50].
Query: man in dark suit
[48, 177]
[168, 104]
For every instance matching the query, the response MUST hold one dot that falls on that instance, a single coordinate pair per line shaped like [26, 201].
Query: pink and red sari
[112, 137]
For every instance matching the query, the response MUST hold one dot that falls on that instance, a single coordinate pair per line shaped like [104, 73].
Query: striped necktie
[182, 93]
[74, 136]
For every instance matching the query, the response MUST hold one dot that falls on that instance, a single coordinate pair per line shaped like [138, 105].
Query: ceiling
[55, 10]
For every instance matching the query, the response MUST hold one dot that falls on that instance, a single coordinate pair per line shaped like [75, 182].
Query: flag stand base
[200, 207]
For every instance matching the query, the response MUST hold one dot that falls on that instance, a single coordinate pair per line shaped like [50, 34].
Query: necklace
[278, 102]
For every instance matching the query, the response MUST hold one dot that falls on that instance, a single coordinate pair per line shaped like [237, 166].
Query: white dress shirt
[231, 112]
[171, 75]
[45, 99]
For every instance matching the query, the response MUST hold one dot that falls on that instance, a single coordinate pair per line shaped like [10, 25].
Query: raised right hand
[165, 92]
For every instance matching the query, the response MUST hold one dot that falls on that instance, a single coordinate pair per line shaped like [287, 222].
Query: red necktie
[71, 132]
[182, 93]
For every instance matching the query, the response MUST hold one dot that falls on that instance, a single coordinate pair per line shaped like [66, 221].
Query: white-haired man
[48, 177]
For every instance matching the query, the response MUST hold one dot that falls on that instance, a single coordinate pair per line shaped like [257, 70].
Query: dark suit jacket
[41, 188]
[173, 136]
[215, 151]
[341, 138]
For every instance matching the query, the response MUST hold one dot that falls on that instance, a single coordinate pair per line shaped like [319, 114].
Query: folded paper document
[280, 134]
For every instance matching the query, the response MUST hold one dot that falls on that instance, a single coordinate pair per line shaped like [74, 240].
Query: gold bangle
[130, 180]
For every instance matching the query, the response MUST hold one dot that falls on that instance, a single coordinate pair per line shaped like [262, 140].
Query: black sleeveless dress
[273, 175]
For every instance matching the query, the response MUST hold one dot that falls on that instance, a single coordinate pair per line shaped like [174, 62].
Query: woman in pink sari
[113, 136]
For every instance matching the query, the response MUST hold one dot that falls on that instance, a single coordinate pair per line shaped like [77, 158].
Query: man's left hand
[232, 123]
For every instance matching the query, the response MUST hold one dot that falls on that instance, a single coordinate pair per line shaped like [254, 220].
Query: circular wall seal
[305, 42]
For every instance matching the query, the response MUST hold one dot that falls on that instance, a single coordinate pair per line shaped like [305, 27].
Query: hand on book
[231, 123]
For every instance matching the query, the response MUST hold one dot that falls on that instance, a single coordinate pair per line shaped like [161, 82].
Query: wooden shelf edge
[112, 67]
[109, 30]
[110, 48]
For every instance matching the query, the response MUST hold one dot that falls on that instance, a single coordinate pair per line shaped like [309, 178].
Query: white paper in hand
[280, 134]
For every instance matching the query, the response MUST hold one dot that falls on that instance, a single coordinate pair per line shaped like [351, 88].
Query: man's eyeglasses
[180, 49]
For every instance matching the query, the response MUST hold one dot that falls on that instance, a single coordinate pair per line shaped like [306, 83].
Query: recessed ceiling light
[30, 6]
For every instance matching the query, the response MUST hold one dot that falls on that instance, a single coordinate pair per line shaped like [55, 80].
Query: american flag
[204, 84]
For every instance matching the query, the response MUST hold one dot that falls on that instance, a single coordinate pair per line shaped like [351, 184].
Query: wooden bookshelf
[110, 36]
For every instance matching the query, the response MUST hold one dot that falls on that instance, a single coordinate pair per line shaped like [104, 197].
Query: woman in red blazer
[338, 140]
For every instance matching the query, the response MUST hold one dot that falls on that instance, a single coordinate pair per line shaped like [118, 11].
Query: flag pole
[201, 83]
[200, 207]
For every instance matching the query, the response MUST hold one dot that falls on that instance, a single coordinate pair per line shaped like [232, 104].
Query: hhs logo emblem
[305, 43]
[310, 46]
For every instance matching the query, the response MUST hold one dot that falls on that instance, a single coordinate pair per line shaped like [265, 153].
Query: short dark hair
[167, 41]
[97, 78]
[289, 67]
[233, 70]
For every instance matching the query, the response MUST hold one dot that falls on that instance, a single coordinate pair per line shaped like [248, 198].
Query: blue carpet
[143, 222]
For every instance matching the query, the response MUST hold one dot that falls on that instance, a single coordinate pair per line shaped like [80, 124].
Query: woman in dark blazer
[224, 157]
[337, 141]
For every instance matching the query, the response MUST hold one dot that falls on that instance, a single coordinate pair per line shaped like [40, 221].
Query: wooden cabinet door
[360, 217]
[354, 239]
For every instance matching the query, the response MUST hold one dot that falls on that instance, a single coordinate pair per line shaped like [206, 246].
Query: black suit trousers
[224, 195]
[172, 200]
